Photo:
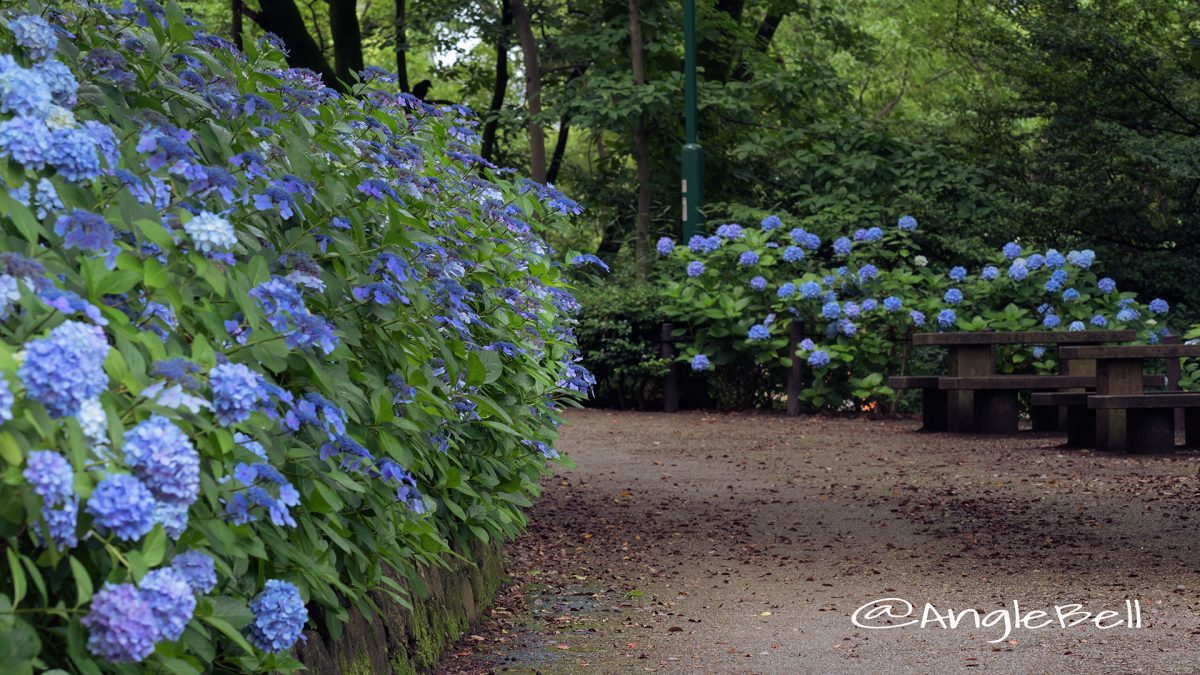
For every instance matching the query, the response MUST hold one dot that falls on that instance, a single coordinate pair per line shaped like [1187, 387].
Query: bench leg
[1044, 417]
[1151, 430]
[1081, 427]
[933, 409]
[996, 412]
[1110, 431]
[960, 411]
[1191, 427]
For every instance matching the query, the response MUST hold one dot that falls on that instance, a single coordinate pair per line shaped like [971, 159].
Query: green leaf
[17, 575]
[229, 632]
[83, 582]
[155, 546]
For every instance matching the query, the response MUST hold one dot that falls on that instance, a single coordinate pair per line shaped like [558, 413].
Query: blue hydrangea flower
[842, 246]
[6, 401]
[197, 569]
[953, 296]
[85, 231]
[122, 505]
[805, 239]
[1055, 260]
[50, 475]
[24, 93]
[162, 456]
[758, 283]
[1038, 351]
[236, 392]
[35, 35]
[1099, 321]
[27, 141]
[907, 224]
[700, 363]
[279, 617]
[793, 254]
[748, 259]
[873, 234]
[1107, 285]
[695, 268]
[818, 359]
[892, 303]
[1056, 281]
[787, 290]
[807, 345]
[1051, 321]
[758, 332]
[1159, 306]
[65, 368]
[704, 245]
[1070, 295]
[60, 81]
[1082, 259]
[1076, 326]
[958, 273]
[62, 520]
[1011, 250]
[831, 310]
[122, 627]
[870, 305]
[211, 232]
[590, 259]
[946, 318]
[1035, 261]
[730, 231]
[918, 317]
[171, 599]
[1019, 270]
[810, 290]
[665, 246]
[852, 310]
[847, 327]
[990, 273]
[771, 223]
[173, 516]
[867, 272]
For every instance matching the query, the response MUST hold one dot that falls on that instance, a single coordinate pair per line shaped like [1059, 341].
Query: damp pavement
[745, 543]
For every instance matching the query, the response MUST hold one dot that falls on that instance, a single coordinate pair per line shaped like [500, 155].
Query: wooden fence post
[796, 372]
[671, 384]
[1174, 375]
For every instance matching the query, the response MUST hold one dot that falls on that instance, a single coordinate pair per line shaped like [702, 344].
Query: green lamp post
[693, 155]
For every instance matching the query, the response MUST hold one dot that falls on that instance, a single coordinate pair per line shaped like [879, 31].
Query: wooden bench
[933, 399]
[1081, 420]
[1128, 419]
[972, 355]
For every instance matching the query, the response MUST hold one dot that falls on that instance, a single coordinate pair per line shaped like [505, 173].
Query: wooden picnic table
[1120, 389]
[992, 409]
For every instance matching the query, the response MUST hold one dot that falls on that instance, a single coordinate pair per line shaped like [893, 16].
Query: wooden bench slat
[1166, 399]
[1023, 337]
[1034, 382]
[1067, 398]
[1130, 352]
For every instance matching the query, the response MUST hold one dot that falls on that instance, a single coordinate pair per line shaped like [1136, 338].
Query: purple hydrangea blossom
[162, 456]
[170, 599]
[65, 368]
[197, 569]
[121, 625]
[123, 505]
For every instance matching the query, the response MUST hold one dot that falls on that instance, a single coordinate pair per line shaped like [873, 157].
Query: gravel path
[744, 544]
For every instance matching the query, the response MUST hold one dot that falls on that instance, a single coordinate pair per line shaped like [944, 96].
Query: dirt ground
[704, 542]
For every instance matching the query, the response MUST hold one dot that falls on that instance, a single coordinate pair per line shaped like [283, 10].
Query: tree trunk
[283, 18]
[644, 195]
[236, 9]
[560, 149]
[500, 88]
[533, 90]
[347, 39]
[402, 44]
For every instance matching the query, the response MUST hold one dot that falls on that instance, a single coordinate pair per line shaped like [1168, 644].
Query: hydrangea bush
[263, 348]
[858, 297]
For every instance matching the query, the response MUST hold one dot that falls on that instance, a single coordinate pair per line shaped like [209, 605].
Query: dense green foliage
[356, 362]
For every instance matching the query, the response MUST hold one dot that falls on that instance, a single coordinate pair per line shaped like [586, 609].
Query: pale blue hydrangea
[1051, 321]
[730, 231]
[170, 599]
[24, 93]
[771, 223]
[1056, 281]
[748, 259]
[810, 290]
[847, 327]
[197, 569]
[173, 516]
[953, 296]
[1076, 326]
[758, 283]
[665, 246]
[1106, 285]
[74, 155]
[1019, 270]
[818, 359]
[1127, 314]
[65, 368]
[852, 310]
[946, 318]
[46, 199]
[958, 273]
[1055, 260]
[6, 401]
[695, 268]
[211, 232]
[27, 141]
[758, 332]
[1070, 295]
[787, 290]
[49, 475]
[35, 35]
[1082, 259]
[1012, 250]
[805, 239]
[867, 273]
[279, 617]
[907, 223]
[236, 392]
[1038, 351]
[700, 363]
[1159, 306]
[121, 504]
[870, 305]
[162, 456]
[1099, 321]
[60, 81]
[121, 625]
[990, 273]
[1035, 261]
[807, 345]
[590, 259]
[918, 317]
[842, 246]
[831, 310]
[892, 303]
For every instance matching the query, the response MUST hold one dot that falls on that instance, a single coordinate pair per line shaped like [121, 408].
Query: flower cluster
[279, 616]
